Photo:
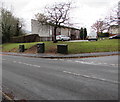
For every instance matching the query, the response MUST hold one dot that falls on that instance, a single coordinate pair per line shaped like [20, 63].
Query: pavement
[44, 55]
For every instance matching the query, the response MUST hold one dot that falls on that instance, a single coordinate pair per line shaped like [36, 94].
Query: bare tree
[56, 14]
[41, 18]
[99, 26]
[118, 13]
[112, 17]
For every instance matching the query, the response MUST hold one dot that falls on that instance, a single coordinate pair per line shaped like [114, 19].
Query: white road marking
[3, 59]
[69, 60]
[19, 62]
[52, 59]
[114, 64]
[35, 65]
[85, 62]
[31, 65]
[61, 59]
[92, 77]
[14, 61]
[95, 63]
[26, 64]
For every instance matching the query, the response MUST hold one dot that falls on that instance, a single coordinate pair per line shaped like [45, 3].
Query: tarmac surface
[30, 78]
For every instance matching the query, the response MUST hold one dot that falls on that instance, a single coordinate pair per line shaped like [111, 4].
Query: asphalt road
[60, 79]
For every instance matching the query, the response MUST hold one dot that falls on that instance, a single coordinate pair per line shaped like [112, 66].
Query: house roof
[62, 26]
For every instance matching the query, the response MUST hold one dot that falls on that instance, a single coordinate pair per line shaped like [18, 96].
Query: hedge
[25, 38]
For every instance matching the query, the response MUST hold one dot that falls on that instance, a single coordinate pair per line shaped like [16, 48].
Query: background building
[114, 30]
[46, 31]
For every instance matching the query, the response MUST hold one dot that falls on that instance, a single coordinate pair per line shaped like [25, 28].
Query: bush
[103, 34]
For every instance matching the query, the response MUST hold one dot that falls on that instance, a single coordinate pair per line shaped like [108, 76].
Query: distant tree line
[10, 25]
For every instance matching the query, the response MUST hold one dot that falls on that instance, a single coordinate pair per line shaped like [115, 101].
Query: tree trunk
[54, 36]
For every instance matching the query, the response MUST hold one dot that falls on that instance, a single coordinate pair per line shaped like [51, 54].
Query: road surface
[60, 79]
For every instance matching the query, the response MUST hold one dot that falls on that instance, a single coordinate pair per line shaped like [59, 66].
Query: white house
[114, 29]
[46, 31]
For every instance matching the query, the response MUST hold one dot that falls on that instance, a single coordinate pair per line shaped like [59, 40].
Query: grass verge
[73, 47]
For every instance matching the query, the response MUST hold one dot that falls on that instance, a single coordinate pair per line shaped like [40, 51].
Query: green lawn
[73, 47]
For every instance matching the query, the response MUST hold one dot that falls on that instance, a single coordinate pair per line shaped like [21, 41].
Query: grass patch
[9, 47]
[73, 47]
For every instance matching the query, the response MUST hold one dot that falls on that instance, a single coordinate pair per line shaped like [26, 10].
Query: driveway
[77, 41]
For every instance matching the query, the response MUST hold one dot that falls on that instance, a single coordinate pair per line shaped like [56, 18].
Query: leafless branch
[57, 14]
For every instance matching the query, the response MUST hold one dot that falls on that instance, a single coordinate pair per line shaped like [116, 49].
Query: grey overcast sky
[84, 15]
